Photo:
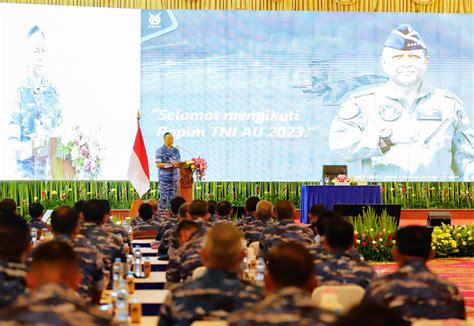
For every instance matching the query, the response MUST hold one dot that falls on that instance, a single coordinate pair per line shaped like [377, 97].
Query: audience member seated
[317, 249]
[249, 209]
[110, 226]
[211, 204]
[155, 214]
[35, 210]
[371, 314]
[414, 291]
[52, 280]
[285, 230]
[175, 204]
[65, 225]
[109, 245]
[224, 212]
[187, 259]
[219, 291]
[169, 243]
[14, 246]
[79, 207]
[338, 266]
[253, 228]
[185, 230]
[315, 211]
[8, 206]
[288, 283]
[146, 214]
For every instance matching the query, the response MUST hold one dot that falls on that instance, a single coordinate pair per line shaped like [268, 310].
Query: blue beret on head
[404, 38]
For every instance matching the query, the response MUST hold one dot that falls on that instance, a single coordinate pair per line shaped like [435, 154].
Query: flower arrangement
[199, 166]
[84, 151]
[343, 179]
[374, 235]
[449, 240]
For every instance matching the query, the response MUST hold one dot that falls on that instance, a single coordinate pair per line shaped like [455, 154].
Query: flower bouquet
[198, 166]
[343, 180]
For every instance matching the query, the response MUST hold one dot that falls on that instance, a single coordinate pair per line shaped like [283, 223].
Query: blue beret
[404, 38]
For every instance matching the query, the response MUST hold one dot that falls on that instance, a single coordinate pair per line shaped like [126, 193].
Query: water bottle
[136, 310]
[260, 271]
[121, 311]
[117, 273]
[34, 235]
[130, 283]
[129, 263]
[137, 267]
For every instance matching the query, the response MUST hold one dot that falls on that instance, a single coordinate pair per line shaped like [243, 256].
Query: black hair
[198, 208]
[290, 264]
[79, 206]
[176, 204]
[317, 209]
[8, 205]
[93, 211]
[185, 225]
[284, 210]
[183, 210]
[371, 314]
[166, 134]
[223, 208]
[54, 252]
[64, 220]
[146, 211]
[14, 236]
[211, 205]
[35, 210]
[105, 205]
[414, 241]
[339, 233]
[251, 204]
[323, 218]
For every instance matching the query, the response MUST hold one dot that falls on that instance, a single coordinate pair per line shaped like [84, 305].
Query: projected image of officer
[405, 127]
[37, 114]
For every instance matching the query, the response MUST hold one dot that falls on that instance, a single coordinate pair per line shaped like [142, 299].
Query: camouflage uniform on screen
[37, 223]
[111, 227]
[167, 177]
[12, 282]
[109, 245]
[147, 226]
[415, 292]
[284, 231]
[342, 268]
[253, 228]
[52, 304]
[211, 297]
[91, 264]
[288, 306]
[187, 258]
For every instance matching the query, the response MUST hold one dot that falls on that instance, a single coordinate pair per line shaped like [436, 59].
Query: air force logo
[154, 21]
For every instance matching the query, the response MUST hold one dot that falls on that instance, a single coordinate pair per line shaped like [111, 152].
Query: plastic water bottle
[260, 268]
[121, 312]
[34, 235]
[117, 273]
[137, 258]
[129, 263]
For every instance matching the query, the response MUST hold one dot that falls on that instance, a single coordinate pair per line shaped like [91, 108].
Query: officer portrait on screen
[405, 127]
[37, 113]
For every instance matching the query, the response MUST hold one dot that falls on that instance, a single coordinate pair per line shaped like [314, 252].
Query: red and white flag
[138, 171]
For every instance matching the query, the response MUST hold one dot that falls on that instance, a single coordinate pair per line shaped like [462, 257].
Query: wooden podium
[185, 183]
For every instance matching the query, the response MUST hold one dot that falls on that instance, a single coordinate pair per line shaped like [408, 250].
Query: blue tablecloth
[330, 195]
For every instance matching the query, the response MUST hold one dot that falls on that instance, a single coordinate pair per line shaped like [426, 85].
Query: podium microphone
[184, 149]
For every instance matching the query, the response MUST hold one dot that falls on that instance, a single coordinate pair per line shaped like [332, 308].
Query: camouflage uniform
[12, 282]
[109, 245]
[38, 113]
[138, 220]
[342, 268]
[253, 228]
[147, 226]
[211, 297]
[113, 228]
[288, 306]
[245, 220]
[91, 264]
[187, 258]
[284, 231]
[37, 223]
[168, 177]
[318, 252]
[169, 242]
[52, 304]
[222, 219]
[415, 292]
[166, 225]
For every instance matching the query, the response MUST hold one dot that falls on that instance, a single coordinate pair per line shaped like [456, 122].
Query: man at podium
[167, 159]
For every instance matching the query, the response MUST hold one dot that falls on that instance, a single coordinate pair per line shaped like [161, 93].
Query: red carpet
[458, 270]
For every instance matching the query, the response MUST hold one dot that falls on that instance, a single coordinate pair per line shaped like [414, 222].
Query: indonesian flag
[138, 171]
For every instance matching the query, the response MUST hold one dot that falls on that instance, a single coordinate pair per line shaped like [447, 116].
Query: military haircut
[317, 209]
[211, 205]
[223, 208]
[285, 210]
[79, 206]
[183, 210]
[146, 211]
[223, 244]
[290, 264]
[176, 203]
[251, 204]
[14, 236]
[54, 253]
[325, 216]
[35, 209]
[339, 233]
[186, 225]
[414, 240]
[64, 220]
[8, 205]
[371, 314]
[198, 208]
[105, 205]
[166, 134]
[264, 210]
[93, 211]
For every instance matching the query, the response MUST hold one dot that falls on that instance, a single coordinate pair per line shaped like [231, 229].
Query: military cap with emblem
[405, 38]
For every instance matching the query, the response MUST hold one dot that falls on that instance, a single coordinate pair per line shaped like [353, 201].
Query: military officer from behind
[167, 160]
[405, 126]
